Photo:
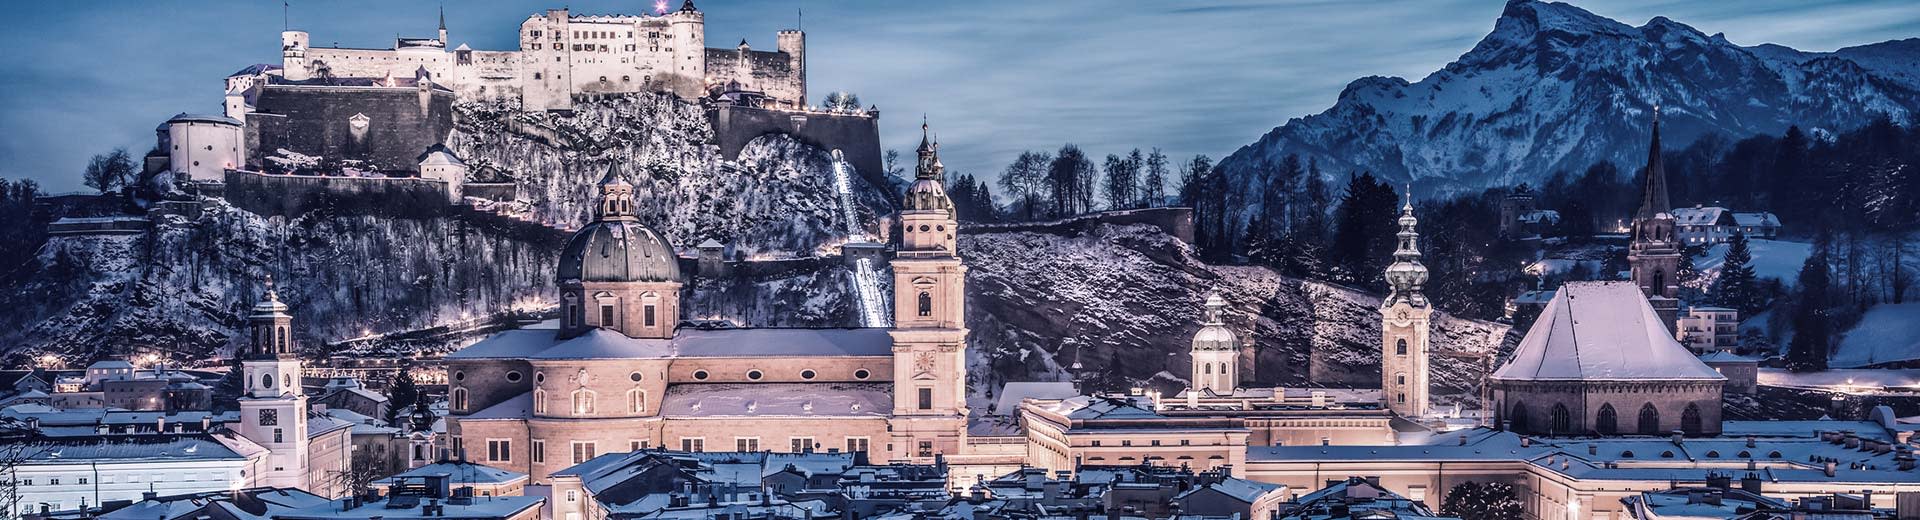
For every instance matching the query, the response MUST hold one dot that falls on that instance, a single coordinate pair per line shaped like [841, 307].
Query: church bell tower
[273, 409]
[1653, 253]
[1404, 320]
[930, 329]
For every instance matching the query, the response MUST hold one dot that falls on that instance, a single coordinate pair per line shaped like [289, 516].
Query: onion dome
[1214, 334]
[617, 247]
[926, 192]
[1407, 277]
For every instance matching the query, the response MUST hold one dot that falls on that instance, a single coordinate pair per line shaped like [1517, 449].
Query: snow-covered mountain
[1555, 87]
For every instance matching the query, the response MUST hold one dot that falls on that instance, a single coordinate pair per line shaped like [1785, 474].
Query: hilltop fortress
[562, 55]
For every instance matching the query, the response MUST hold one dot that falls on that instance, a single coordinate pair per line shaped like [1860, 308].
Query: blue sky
[994, 77]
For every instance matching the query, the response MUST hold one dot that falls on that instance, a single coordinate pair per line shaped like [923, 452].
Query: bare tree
[1026, 180]
[109, 170]
[19, 441]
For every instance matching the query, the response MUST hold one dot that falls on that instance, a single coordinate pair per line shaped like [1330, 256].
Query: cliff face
[1124, 301]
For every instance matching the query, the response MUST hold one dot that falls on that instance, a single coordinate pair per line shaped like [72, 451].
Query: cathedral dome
[927, 194]
[1215, 335]
[618, 251]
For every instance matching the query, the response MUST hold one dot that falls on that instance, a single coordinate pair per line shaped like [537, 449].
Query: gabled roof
[1601, 331]
[441, 153]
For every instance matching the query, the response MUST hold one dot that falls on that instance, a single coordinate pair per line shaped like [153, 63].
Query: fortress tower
[293, 55]
[1654, 253]
[273, 410]
[930, 328]
[1216, 352]
[1405, 318]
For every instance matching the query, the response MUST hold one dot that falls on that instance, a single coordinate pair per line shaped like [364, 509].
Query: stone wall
[381, 128]
[856, 136]
[295, 195]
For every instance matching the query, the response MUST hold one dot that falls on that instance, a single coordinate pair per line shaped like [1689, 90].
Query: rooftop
[1601, 331]
[777, 400]
[542, 343]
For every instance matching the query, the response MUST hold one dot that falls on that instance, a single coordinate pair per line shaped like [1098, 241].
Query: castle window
[1400, 379]
[539, 453]
[1206, 369]
[459, 375]
[926, 304]
[637, 401]
[281, 343]
[926, 449]
[693, 444]
[858, 444]
[266, 380]
[459, 398]
[1401, 397]
[800, 444]
[279, 436]
[582, 402]
[499, 450]
[1604, 421]
[926, 398]
[746, 444]
[536, 75]
[635, 377]
[1519, 418]
[1400, 346]
[1649, 420]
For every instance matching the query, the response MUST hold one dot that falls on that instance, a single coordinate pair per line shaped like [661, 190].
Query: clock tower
[929, 324]
[273, 409]
[1404, 320]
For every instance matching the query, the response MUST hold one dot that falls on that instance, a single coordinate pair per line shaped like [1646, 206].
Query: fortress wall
[376, 63]
[1177, 222]
[316, 120]
[295, 195]
[856, 136]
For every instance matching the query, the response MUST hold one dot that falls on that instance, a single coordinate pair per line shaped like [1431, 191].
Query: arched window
[926, 304]
[1659, 281]
[1649, 420]
[459, 399]
[1519, 418]
[1604, 422]
[1562, 421]
[1206, 368]
[637, 401]
[1690, 420]
[582, 402]
[281, 346]
[1400, 347]
[539, 401]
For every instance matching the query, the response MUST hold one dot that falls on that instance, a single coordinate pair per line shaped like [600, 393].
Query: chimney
[1463, 439]
[1193, 398]
[1750, 483]
[206, 422]
[1750, 441]
[1677, 436]
[1593, 449]
[160, 425]
[1831, 466]
[1526, 442]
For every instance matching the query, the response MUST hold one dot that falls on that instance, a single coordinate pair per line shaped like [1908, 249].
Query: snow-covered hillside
[1125, 300]
[1555, 87]
[1888, 333]
[1777, 259]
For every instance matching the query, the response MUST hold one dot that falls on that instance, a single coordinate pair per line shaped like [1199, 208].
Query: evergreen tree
[1191, 175]
[422, 417]
[1737, 288]
[1153, 187]
[1363, 233]
[1482, 501]
[1307, 237]
[1813, 327]
[402, 393]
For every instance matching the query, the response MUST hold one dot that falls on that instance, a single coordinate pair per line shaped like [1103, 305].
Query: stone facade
[1611, 408]
[1405, 319]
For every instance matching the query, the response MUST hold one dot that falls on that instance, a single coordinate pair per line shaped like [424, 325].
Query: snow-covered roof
[254, 69]
[755, 342]
[516, 407]
[109, 364]
[1012, 393]
[777, 400]
[1756, 219]
[1601, 331]
[184, 117]
[128, 448]
[362, 425]
[1103, 407]
[1699, 216]
[460, 473]
[1240, 489]
[1722, 356]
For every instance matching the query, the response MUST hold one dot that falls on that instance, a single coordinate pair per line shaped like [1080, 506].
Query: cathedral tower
[1216, 352]
[1404, 320]
[930, 329]
[1653, 253]
[273, 411]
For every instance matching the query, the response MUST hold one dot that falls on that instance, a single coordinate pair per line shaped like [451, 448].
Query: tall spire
[1406, 277]
[1653, 200]
[929, 154]
[443, 18]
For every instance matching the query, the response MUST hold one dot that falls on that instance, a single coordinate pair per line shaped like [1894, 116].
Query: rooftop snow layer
[777, 400]
[1601, 331]
[755, 342]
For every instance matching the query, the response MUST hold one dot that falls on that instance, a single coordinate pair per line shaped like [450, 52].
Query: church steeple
[1653, 253]
[1404, 321]
[1216, 352]
[616, 197]
[1653, 197]
[1407, 277]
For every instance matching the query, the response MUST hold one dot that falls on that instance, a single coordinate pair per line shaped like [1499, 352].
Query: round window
[635, 377]
[459, 375]
[539, 377]
[754, 375]
[942, 227]
[266, 380]
[700, 375]
[806, 374]
[923, 227]
[513, 376]
[861, 374]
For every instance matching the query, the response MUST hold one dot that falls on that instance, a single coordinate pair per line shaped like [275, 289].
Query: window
[638, 444]
[1206, 369]
[695, 444]
[800, 444]
[278, 436]
[1519, 418]
[269, 417]
[637, 400]
[861, 374]
[754, 375]
[806, 374]
[926, 304]
[539, 401]
[1562, 421]
[926, 398]
[1126, 442]
[1400, 346]
[648, 312]
[926, 449]
[584, 451]
[1400, 379]
[1401, 398]
[1096, 443]
[1604, 421]
[499, 450]
[583, 402]
[1690, 420]
[606, 315]
[539, 454]
[858, 444]
[1649, 420]
[746, 444]
[459, 399]
[513, 376]
[83, 480]
[700, 375]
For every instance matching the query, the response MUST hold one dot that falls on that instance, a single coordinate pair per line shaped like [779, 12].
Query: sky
[993, 78]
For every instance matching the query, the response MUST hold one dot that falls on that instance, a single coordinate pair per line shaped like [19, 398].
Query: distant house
[1708, 225]
[1709, 329]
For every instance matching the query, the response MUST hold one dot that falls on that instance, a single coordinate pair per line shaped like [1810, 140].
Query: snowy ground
[1853, 381]
[1886, 334]
[1771, 259]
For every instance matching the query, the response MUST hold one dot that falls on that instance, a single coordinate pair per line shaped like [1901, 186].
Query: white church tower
[1216, 352]
[930, 328]
[273, 410]
[1404, 319]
